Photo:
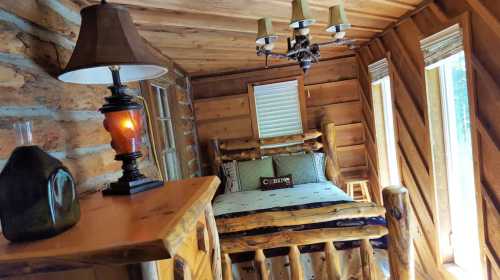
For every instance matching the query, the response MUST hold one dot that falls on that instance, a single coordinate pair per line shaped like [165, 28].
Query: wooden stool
[358, 190]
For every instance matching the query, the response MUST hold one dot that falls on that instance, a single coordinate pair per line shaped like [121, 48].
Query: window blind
[442, 45]
[278, 109]
[379, 69]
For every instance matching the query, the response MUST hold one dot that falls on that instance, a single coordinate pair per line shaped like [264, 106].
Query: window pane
[460, 167]
[173, 169]
[385, 134]
[278, 109]
[169, 154]
[390, 133]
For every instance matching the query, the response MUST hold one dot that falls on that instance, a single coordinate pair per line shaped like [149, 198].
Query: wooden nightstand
[173, 222]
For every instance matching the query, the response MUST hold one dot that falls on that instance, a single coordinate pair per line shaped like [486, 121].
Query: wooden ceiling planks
[219, 36]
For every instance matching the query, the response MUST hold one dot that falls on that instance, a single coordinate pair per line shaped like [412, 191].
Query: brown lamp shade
[107, 38]
[338, 19]
[301, 16]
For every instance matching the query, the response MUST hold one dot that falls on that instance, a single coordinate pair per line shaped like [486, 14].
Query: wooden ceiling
[209, 36]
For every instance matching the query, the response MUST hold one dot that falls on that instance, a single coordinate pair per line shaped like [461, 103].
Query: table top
[120, 229]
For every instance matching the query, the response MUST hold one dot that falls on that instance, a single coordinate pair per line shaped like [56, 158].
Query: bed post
[329, 146]
[214, 156]
[227, 272]
[332, 261]
[400, 247]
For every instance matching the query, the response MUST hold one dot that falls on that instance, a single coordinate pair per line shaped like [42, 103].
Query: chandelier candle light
[300, 47]
[110, 51]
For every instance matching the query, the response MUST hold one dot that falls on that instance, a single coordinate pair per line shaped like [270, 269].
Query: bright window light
[464, 235]
[385, 133]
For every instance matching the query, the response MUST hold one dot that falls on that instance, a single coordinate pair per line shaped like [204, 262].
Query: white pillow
[320, 160]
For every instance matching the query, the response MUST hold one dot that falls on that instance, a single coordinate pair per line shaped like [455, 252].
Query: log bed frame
[395, 201]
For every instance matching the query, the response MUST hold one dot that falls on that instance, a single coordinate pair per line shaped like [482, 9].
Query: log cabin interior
[284, 139]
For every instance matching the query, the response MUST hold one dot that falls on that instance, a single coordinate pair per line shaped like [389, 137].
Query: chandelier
[300, 47]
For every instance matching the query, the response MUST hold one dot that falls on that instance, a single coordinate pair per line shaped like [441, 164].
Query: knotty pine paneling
[331, 88]
[402, 42]
[219, 108]
[232, 84]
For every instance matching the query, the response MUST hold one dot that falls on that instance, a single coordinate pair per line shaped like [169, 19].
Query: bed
[307, 217]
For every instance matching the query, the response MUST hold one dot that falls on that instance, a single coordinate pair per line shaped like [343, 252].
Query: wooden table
[117, 230]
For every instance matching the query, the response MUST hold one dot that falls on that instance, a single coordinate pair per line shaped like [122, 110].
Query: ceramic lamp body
[125, 128]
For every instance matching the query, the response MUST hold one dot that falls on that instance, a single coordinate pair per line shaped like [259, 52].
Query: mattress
[302, 196]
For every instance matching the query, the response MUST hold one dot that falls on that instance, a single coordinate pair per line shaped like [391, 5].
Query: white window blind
[442, 45]
[278, 109]
[379, 70]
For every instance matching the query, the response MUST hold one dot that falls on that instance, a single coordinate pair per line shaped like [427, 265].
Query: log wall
[414, 151]
[37, 40]
[222, 106]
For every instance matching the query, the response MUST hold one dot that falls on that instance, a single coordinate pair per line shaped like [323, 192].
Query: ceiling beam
[236, 70]
[148, 19]
[196, 53]
[395, 4]
[248, 9]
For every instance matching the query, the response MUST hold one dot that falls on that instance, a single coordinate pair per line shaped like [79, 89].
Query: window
[452, 157]
[169, 153]
[384, 123]
[278, 109]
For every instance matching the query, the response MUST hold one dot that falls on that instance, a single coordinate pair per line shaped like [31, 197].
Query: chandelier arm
[277, 55]
[331, 42]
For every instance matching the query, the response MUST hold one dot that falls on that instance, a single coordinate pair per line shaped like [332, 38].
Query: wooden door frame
[253, 110]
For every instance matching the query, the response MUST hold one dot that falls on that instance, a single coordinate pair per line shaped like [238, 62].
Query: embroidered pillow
[250, 171]
[230, 172]
[303, 167]
[273, 183]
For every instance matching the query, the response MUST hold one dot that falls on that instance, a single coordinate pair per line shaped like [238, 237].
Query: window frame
[253, 108]
[384, 87]
[164, 120]
[450, 270]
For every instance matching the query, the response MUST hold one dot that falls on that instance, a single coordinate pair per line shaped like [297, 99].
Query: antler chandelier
[300, 47]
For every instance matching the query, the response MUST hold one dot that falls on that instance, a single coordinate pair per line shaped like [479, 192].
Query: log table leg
[367, 260]
[214, 243]
[227, 270]
[295, 265]
[400, 247]
[260, 262]
[332, 261]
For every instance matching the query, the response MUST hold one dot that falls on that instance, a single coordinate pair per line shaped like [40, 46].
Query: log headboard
[248, 149]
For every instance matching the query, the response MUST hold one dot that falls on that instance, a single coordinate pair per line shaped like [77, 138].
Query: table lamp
[109, 51]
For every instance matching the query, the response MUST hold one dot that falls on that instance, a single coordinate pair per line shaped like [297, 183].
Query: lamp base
[132, 180]
[132, 187]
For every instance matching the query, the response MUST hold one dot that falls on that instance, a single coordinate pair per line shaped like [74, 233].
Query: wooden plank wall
[222, 105]
[37, 39]
[402, 41]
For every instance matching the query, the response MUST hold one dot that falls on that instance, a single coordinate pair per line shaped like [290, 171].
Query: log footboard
[398, 229]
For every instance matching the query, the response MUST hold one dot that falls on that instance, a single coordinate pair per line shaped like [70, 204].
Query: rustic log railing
[399, 247]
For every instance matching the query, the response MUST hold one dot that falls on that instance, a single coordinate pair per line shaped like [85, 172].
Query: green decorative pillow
[303, 167]
[250, 172]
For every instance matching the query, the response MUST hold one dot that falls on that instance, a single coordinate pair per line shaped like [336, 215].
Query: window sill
[451, 271]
